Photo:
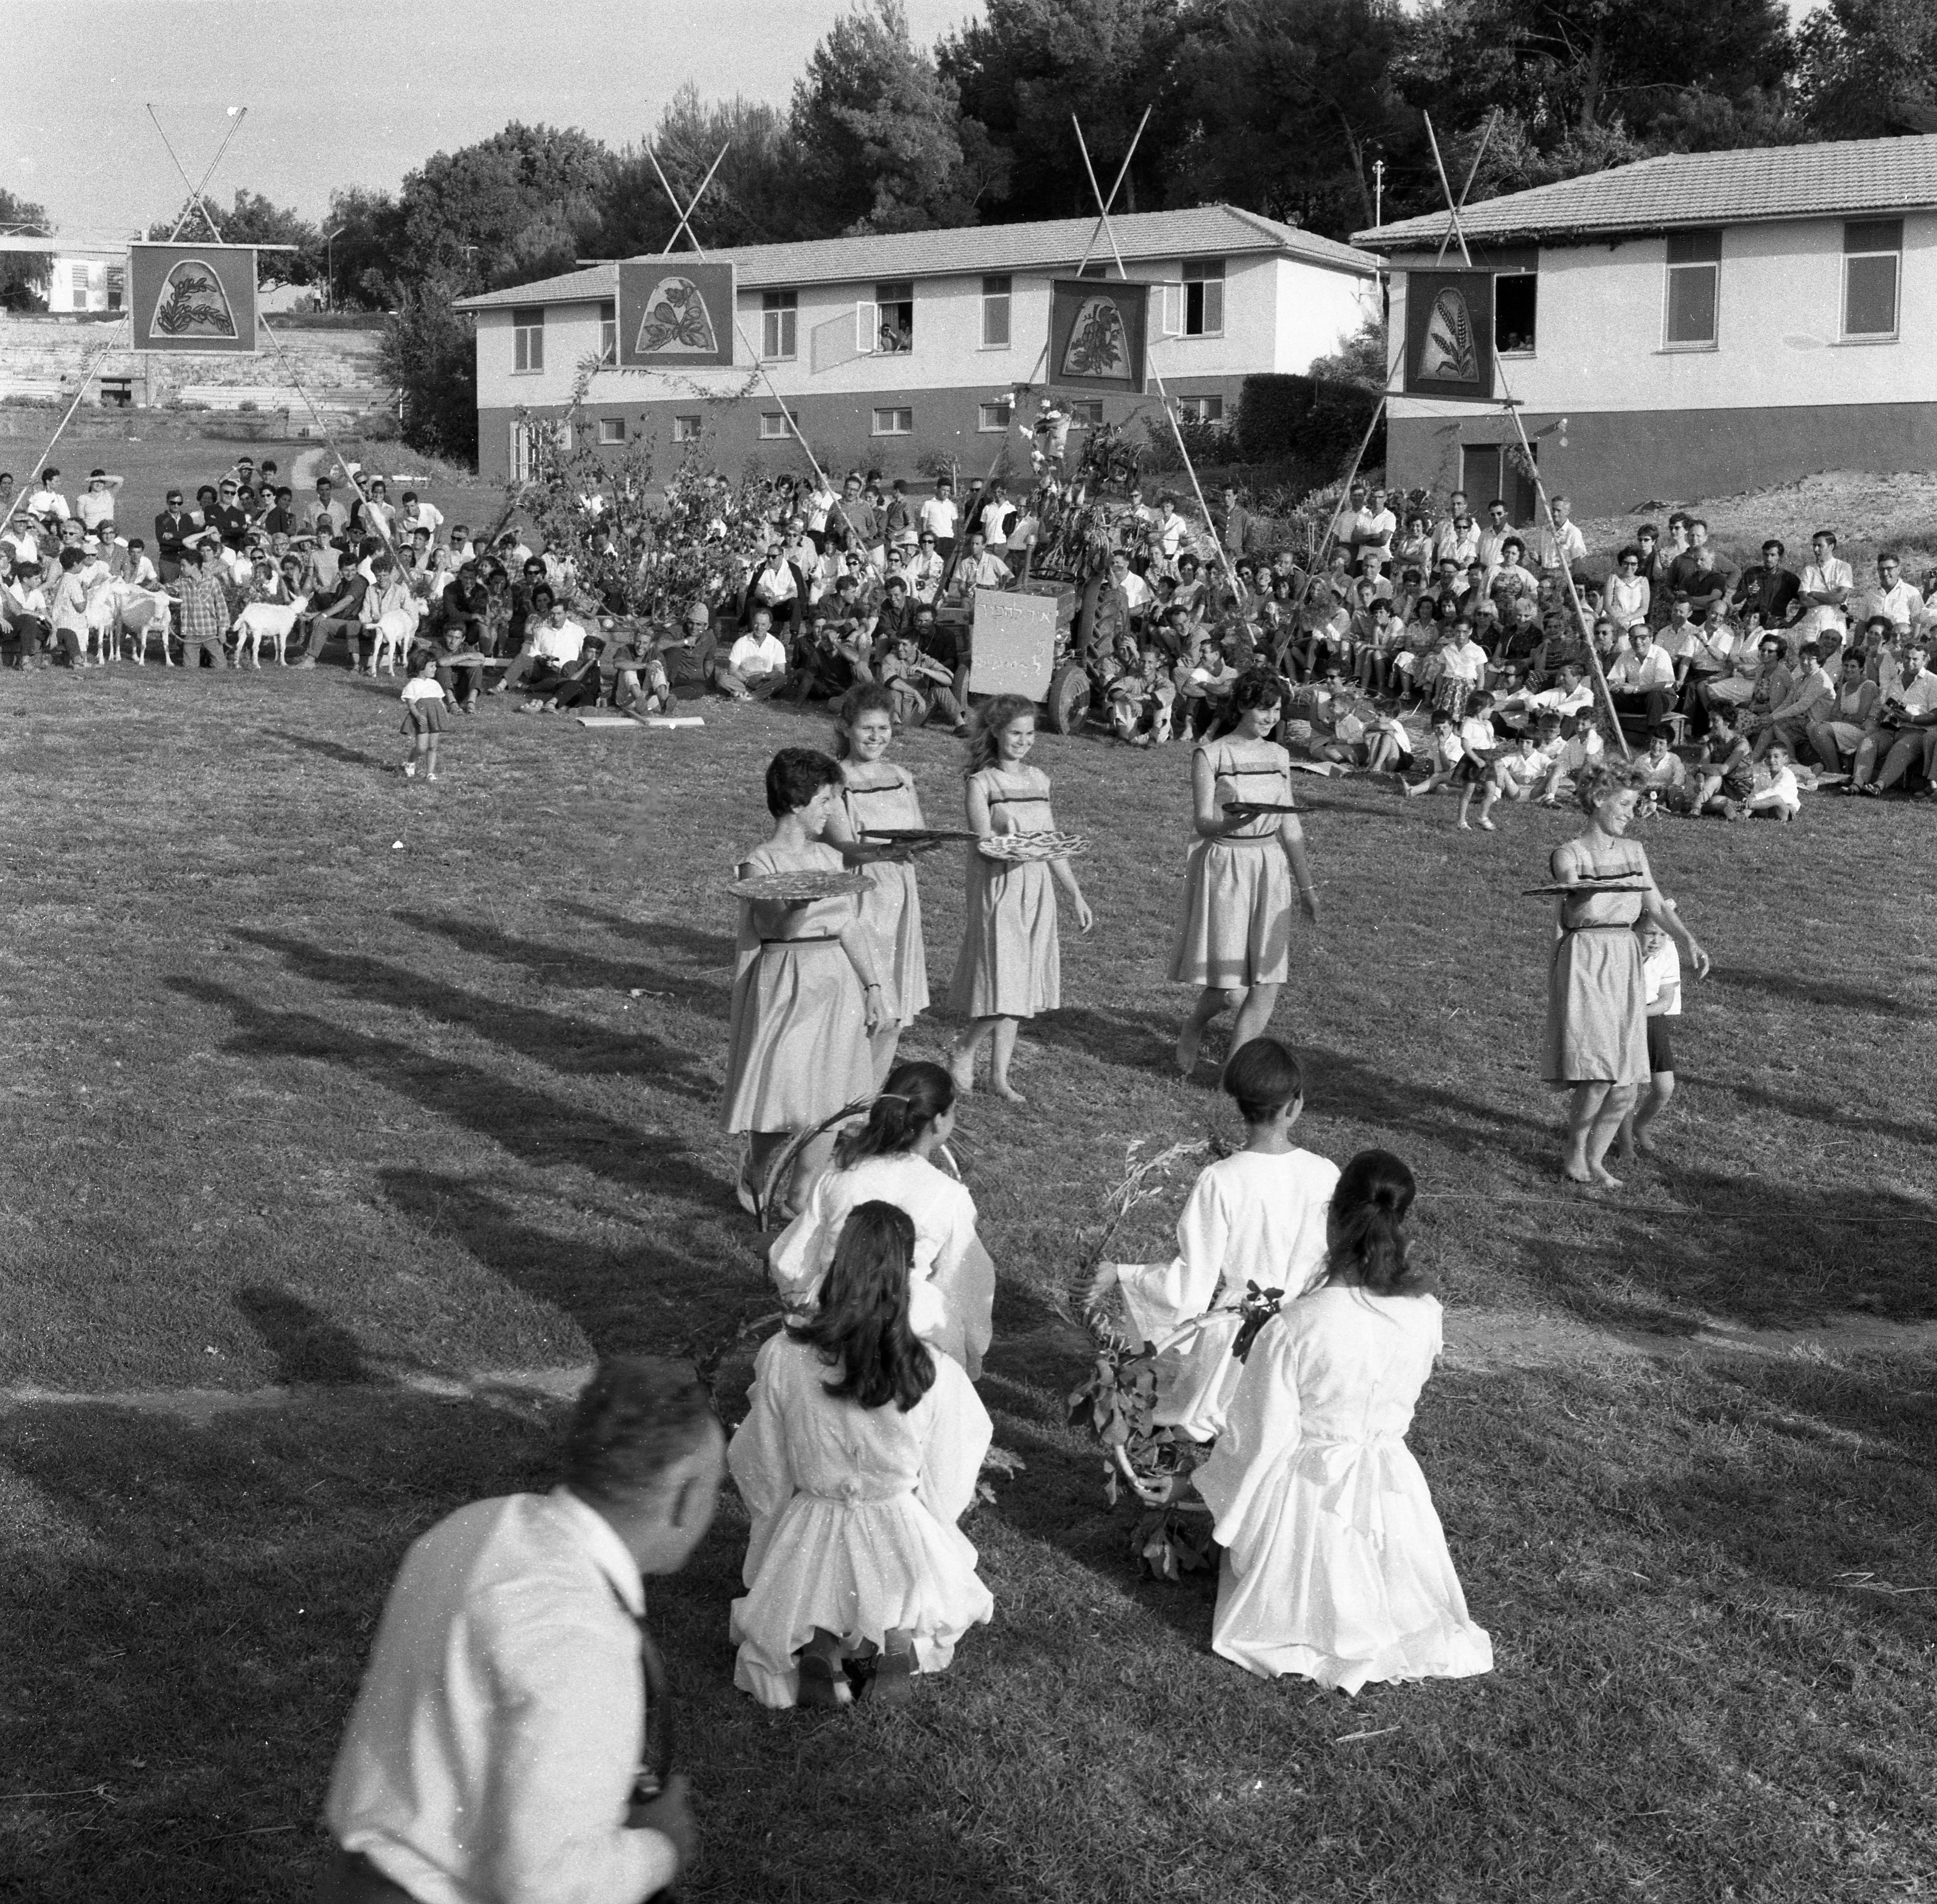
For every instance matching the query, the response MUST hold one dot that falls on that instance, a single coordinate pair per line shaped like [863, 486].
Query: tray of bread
[1585, 889]
[916, 835]
[1253, 809]
[806, 882]
[1017, 849]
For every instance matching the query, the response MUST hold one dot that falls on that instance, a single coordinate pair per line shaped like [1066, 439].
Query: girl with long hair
[878, 793]
[1335, 1565]
[858, 1456]
[890, 1159]
[1234, 940]
[1010, 966]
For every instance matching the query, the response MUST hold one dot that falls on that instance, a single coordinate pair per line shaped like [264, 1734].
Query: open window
[884, 325]
[608, 333]
[1516, 306]
[1203, 298]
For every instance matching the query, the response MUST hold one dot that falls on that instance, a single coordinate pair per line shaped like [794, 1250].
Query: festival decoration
[674, 314]
[1449, 334]
[193, 297]
[1098, 333]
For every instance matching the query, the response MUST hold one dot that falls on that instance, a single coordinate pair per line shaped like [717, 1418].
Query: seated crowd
[1467, 624]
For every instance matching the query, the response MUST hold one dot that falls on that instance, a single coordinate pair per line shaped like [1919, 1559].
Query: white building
[86, 275]
[1694, 324]
[969, 307]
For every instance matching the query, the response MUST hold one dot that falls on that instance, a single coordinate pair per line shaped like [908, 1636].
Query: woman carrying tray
[879, 794]
[1596, 1038]
[1010, 966]
[1235, 938]
[807, 994]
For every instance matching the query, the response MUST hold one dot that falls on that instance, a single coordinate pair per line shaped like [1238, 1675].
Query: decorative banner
[1013, 648]
[1449, 334]
[675, 313]
[1097, 334]
[193, 297]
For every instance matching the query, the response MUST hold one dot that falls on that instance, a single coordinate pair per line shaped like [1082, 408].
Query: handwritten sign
[1014, 648]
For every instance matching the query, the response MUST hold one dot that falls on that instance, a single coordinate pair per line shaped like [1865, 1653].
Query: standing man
[1770, 587]
[938, 518]
[493, 1753]
[1235, 524]
[173, 527]
[205, 608]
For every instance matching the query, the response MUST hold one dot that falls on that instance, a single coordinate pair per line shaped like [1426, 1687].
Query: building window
[894, 423]
[894, 316]
[994, 313]
[778, 317]
[528, 340]
[1872, 258]
[1203, 298]
[117, 276]
[1515, 297]
[1694, 280]
[611, 429]
[1085, 412]
[686, 429]
[608, 333]
[774, 424]
[1201, 409]
[991, 417]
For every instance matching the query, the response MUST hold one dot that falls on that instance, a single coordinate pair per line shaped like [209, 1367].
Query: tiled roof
[1208, 230]
[1697, 188]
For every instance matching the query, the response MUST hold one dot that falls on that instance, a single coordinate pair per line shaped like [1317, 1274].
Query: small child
[1479, 742]
[1515, 775]
[423, 700]
[1777, 796]
[1256, 1215]
[859, 1454]
[1443, 759]
[1661, 981]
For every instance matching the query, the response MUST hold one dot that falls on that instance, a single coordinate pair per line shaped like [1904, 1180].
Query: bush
[379, 426]
[429, 353]
[1306, 420]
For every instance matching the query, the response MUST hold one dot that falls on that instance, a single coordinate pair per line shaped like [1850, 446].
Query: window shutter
[867, 326]
[1213, 306]
[1172, 323]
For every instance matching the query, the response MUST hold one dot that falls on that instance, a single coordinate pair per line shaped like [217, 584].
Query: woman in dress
[1234, 939]
[1335, 1565]
[1010, 966]
[878, 793]
[890, 1159]
[1596, 1040]
[807, 997]
[858, 1456]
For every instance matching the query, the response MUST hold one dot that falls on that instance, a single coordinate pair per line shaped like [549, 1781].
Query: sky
[327, 107]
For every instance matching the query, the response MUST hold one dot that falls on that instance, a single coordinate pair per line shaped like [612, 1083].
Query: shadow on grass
[1132, 1041]
[539, 1130]
[559, 1042]
[570, 969]
[308, 1346]
[1864, 1122]
[348, 757]
[1830, 993]
[662, 935]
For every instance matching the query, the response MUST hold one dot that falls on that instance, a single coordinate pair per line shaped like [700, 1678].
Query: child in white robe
[1335, 1565]
[1257, 1216]
[859, 1456]
[890, 1159]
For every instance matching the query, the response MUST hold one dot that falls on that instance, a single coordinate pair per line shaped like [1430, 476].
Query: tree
[521, 204]
[1868, 68]
[252, 220]
[365, 255]
[880, 131]
[24, 275]
[1023, 69]
[429, 353]
[756, 198]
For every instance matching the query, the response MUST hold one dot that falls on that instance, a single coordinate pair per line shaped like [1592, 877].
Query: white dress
[952, 1291]
[1250, 1218]
[853, 1516]
[1335, 1565]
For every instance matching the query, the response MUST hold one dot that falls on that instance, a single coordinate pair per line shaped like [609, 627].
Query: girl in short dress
[1010, 965]
[806, 994]
[878, 793]
[890, 1159]
[1596, 1045]
[858, 1456]
[423, 716]
[1234, 940]
[1335, 1565]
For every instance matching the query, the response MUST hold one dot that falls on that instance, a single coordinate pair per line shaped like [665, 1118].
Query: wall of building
[838, 427]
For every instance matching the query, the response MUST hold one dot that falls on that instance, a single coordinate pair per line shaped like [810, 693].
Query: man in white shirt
[1170, 536]
[979, 569]
[757, 661]
[1902, 723]
[1493, 533]
[1562, 548]
[1893, 597]
[416, 515]
[938, 517]
[494, 1754]
[775, 587]
[47, 501]
[1827, 583]
[1642, 679]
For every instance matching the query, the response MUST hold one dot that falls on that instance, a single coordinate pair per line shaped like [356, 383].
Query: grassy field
[316, 1077]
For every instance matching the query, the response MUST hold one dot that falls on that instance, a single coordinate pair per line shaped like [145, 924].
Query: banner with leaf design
[193, 297]
[1097, 332]
[1449, 334]
[675, 313]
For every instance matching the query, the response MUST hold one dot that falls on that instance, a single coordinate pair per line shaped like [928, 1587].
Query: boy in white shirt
[1661, 981]
[938, 517]
[1777, 796]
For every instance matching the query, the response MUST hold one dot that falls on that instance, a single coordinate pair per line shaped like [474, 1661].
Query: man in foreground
[493, 1754]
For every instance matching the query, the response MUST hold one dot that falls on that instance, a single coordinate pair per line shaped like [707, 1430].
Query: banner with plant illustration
[1449, 334]
[193, 297]
[1097, 335]
[674, 314]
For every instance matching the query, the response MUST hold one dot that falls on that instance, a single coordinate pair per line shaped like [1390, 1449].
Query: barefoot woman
[1596, 1043]
[1235, 940]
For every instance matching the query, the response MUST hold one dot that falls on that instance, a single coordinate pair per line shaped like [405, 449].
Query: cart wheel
[1068, 698]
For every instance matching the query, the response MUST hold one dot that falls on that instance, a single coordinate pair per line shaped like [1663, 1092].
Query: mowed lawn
[316, 1076]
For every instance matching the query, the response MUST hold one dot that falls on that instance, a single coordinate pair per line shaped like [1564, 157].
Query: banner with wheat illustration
[193, 297]
[1449, 334]
[1097, 335]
